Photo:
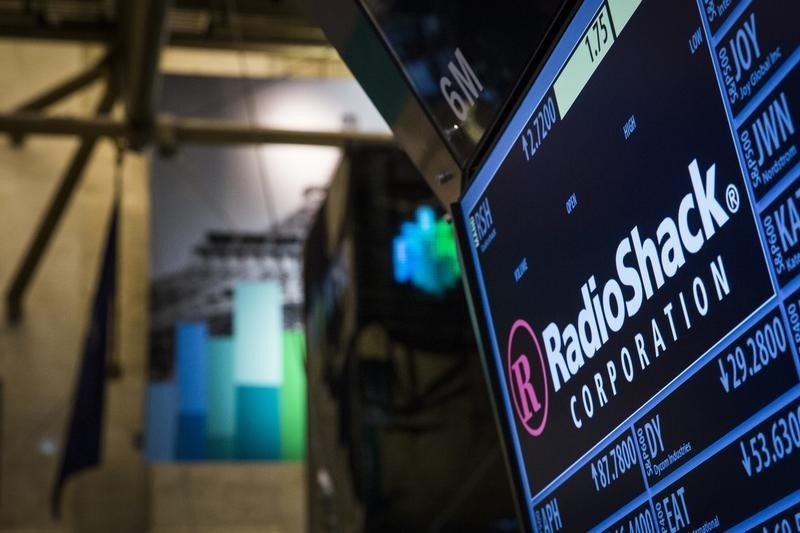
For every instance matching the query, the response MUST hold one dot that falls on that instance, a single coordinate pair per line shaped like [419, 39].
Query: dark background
[497, 41]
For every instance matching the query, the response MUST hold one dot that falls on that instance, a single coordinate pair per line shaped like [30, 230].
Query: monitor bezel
[480, 328]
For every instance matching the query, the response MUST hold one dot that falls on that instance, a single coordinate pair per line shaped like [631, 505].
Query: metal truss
[135, 33]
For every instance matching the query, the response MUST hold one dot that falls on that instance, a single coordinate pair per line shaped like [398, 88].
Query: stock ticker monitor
[632, 245]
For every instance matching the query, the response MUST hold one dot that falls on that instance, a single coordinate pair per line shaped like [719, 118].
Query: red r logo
[523, 383]
[522, 374]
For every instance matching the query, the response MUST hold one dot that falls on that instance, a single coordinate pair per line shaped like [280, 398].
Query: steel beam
[67, 87]
[247, 30]
[172, 131]
[52, 217]
[63, 90]
[19, 124]
[37, 31]
[146, 33]
[195, 23]
[221, 39]
[203, 131]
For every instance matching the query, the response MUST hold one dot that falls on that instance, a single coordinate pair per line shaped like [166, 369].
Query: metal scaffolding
[134, 34]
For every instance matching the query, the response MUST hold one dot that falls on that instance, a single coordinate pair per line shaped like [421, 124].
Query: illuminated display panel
[635, 244]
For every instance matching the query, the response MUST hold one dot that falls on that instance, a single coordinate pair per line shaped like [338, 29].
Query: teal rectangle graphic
[191, 344]
[258, 333]
[258, 423]
[221, 422]
[191, 444]
[161, 422]
[219, 448]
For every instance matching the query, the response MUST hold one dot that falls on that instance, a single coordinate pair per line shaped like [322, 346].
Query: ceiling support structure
[67, 87]
[135, 43]
[173, 131]
[21, 124]
[146, 32]
[63, 90]
[52, 217]
[170, 131]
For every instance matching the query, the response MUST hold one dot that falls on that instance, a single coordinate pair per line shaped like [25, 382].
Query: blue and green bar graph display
[221, 429]
[191, 347]
[424, 253]
[240, 397]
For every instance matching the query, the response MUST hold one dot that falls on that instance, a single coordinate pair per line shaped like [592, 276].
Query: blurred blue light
[424, 253]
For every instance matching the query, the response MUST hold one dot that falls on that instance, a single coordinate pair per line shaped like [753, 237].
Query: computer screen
[632, 242]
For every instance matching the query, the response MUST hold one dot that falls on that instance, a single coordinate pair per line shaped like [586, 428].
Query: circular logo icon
[732, 198]
[527, 378]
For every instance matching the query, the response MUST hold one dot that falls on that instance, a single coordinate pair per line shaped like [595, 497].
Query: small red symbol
[524, 381]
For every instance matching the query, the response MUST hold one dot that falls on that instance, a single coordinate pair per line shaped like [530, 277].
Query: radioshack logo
[482, 227]
[527, 378]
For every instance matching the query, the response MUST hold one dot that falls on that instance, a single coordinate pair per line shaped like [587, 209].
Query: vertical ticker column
[756, 51]
[755, 47]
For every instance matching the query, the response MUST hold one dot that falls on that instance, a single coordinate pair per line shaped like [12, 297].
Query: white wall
[223, 188]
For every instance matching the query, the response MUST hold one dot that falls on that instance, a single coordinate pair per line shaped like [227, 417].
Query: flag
[85, 430]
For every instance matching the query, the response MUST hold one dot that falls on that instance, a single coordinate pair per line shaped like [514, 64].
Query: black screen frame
[480, 329]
